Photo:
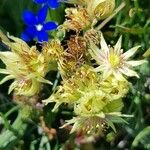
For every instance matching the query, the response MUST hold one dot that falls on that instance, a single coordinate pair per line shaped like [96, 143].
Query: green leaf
[116, 119]
[56, 14]
[111, 125]
[141, 138]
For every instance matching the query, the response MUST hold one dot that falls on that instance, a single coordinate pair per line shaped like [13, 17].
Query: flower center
[39, 27]
[114, 60]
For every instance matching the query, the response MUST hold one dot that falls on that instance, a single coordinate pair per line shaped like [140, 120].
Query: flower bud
[100, 9]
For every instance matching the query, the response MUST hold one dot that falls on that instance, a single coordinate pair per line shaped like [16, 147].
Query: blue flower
[37, 27]
[53, 4]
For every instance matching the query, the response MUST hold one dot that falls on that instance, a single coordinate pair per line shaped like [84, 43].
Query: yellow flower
[87, 125]
[96, 123]
[52, 50]
[116, 89]
[27, 66]
[88, 92]
[73, 57]
[92, 98]
[71, 89]
[112, 60]
[75, 15]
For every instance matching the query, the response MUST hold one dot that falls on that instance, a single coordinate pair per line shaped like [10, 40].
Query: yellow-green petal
[130, 52]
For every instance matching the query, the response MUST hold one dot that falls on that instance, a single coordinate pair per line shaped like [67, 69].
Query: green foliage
[142, 138]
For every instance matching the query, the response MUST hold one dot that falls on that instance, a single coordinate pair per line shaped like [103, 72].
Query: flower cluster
[95, 93]
[26, 65]
[94, 74]
[89, 11]
[91, 96]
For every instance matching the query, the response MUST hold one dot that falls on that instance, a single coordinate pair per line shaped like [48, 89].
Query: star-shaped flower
[112, 60]
[53, 4]
[37, 27]
[26, 65]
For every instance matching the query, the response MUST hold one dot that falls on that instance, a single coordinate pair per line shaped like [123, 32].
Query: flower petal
[42, 36]
[136, 63]
[107, 72]
[29, 34]
[4, 71]
[53, 4]
[31, 31]
[25, 36]
[117, 47]
[50, 25]
[5, 79]
[94, 48]
[104, 46]
[129, 72]
[99, 68]
[42, 13]
[40, 1]
[118, 76]
[29, 18]
[130, 52]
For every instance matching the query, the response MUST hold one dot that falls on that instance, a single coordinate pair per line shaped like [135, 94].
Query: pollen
[114, 60]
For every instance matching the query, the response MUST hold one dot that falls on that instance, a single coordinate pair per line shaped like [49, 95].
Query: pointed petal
[40, 1]
[42, 36]
[104, 45]
[94, 48]
[9, 77]
[130, 52]
[118, 76]
[99, 68]
[50, 25]
[5, 55]
[4, 71]
[3, 37]
[53, 4]
[56, 106]
[25, 36]
[12, 87]
[29, 18]
[51, 99]
[107, 73]
[32, 90]
[75, 127]
[42, 13]
[40, 79]
[136, 63]
[129, 72]
[29, 33]
[17, 41]
[94, 52]
[117, 47]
